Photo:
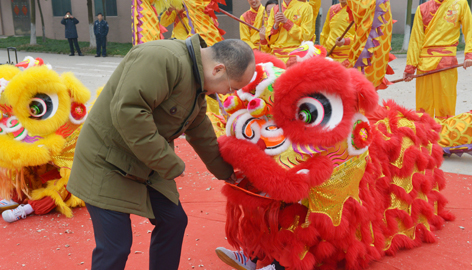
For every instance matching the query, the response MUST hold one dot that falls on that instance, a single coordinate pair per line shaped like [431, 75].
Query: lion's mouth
[244, 184]
[10, 126]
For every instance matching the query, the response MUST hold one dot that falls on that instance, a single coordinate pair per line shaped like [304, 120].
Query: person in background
[288, 28]
[178, 17]
[315, 5]
[433, 45]
[100, 28]
[255, 17]
[270, 4]
[71, 33]
[337, 21]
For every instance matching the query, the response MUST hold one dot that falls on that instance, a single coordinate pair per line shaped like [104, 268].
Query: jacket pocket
[174, 109]
[127, 164]
[115, 186]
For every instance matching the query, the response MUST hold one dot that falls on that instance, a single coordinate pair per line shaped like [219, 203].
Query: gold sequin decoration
[359, 233]
[397, 203]
[329, 197]
[406, 182]
[406, 143]
[303, 254]
[455, 131]
[295, 224]
[409, 232]
[66, 157]
[403, 122]
[386, 122]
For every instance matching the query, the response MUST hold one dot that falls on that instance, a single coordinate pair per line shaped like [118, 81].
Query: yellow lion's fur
[19, 160]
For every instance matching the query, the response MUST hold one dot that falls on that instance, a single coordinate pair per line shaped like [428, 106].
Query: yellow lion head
[39, 110]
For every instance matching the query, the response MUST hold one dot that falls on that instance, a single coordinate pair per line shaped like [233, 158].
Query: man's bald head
[236, 55]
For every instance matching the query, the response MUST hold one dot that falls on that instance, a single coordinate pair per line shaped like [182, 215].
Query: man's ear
[218, 68]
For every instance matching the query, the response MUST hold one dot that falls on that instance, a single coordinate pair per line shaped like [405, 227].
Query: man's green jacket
[152, 98]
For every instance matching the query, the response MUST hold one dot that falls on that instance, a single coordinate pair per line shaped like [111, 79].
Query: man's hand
[171, 9]
[340, 41]
[408, 76]
[232, 179]
[280, 18]
[182, 175]
[262, 33]
[467, 63]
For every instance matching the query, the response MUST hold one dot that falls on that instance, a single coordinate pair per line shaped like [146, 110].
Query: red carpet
[55, 242]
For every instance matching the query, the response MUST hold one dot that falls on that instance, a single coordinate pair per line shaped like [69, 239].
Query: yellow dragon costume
[370, 49]
[200, 14]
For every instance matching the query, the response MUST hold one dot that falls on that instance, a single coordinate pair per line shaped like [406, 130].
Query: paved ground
[55, 242]
[95, 72]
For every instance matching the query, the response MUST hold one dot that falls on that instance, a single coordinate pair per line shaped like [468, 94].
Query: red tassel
[42, 206]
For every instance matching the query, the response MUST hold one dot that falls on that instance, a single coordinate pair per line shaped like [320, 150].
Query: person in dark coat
[100, 28]
[124, 161]
[71, 32]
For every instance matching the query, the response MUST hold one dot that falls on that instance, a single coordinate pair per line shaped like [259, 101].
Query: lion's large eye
[43, 106]
[325, 110]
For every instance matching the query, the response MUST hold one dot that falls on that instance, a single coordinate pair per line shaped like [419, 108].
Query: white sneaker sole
[229, 261]
[5, 208]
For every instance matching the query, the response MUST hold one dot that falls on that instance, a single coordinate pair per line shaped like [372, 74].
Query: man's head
[68, 14]
[343, 2]
[254, 3]
[100, 16]
[228, 65]
[270, 5]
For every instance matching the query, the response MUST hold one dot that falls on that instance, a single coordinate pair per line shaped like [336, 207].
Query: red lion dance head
[329, 176]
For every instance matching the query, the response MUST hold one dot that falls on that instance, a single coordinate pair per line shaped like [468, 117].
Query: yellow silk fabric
[456, 131]
[363, 12]
[216, 115]
[283, 42]
[180, 25]
[334, 28]
[315, 5]
[439, 39]
[202, 23]
[436, 93]
[249, 35]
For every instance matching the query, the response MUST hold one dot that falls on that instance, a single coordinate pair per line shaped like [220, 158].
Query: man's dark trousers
[72, 42]
[101, 45]
[113, 235]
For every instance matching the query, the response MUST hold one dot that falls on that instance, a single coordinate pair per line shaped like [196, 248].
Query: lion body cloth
[328, 176]
[41, 113]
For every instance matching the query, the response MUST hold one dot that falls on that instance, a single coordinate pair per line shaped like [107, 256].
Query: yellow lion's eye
[43, 106]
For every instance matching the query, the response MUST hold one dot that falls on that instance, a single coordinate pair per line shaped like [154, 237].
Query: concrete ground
[95, 72]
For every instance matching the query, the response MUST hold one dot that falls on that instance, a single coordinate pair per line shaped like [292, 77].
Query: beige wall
[7, 18]
[120, 26]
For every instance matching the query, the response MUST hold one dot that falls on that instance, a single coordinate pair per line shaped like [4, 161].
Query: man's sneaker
[7, 204]
[268, 267]
[80, 54]
[235, 259]
[97, 55]
[71, 54]
[18, 213]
